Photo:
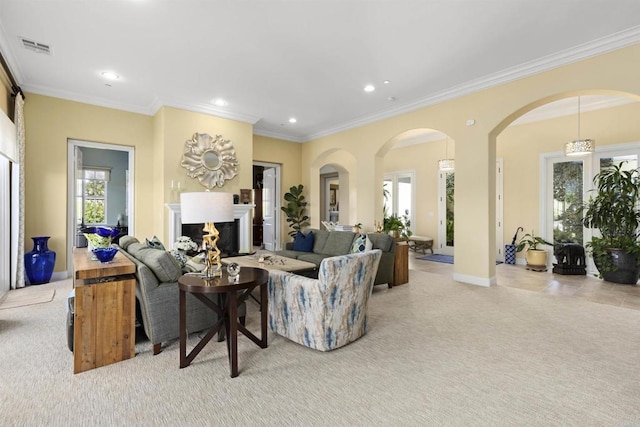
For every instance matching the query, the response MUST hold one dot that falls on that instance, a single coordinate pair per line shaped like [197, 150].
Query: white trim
[71, 226]
[278, 200]
[5, 226]
[500, 209]
[475, 280]
[241, 212]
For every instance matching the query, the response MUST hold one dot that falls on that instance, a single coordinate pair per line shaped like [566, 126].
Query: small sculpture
[570, 259]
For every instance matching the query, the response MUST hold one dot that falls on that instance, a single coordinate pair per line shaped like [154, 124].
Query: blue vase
[39, 263]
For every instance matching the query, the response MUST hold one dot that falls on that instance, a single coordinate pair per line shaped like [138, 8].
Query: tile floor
[517, 276]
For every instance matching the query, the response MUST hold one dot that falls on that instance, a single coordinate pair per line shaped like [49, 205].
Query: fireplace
[227, 241]
[242, 221]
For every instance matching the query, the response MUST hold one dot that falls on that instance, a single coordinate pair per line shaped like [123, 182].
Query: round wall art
[211, 160]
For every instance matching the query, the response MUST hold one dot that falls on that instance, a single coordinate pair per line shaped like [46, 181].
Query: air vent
[35, 46]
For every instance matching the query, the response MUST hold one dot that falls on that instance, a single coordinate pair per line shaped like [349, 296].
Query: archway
[531, 140]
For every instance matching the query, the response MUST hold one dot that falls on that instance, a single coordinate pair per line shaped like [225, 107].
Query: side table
[231, 293]
[105, 311]
[401, 264]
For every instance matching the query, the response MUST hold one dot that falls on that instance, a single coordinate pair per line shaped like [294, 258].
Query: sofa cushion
[161, 263]
[289, 253]
[320, 237]
[381, 241]
[361, 244]
[303, 243]
[312, 257]
[338, 243]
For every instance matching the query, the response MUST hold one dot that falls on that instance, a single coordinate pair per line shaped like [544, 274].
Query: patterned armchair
[328, 312]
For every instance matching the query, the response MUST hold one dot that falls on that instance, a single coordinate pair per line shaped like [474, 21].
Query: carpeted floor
[27, 296]
[437, 353]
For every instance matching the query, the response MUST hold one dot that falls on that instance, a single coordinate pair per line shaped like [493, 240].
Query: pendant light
[446, 164]
[579, 146]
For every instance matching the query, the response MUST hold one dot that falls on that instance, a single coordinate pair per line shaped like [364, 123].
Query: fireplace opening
[228, 241]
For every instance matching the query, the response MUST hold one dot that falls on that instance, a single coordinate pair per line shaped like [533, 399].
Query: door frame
[277, 203]
[71, 188]
[591, 164]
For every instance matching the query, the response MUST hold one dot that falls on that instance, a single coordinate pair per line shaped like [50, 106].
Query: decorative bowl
[105, 255]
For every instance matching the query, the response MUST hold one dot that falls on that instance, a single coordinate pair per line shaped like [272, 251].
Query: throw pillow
[303, 243]
[194, 264]
[361, 244]
[155, 243]
[180, 256]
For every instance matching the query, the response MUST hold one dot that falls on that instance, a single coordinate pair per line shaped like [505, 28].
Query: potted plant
[536, 256]
[398, 226]
[295, 209]
[357, 227]
[615, 211]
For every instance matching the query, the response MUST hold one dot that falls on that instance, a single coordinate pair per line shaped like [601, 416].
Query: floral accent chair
[327, 312]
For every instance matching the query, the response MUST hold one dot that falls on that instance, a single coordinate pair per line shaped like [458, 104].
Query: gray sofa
[331, 243]
[157, 293]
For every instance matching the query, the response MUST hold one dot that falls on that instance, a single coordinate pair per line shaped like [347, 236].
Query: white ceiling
[309, 59]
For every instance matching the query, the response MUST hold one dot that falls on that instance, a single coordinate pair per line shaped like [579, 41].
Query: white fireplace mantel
[240, 212]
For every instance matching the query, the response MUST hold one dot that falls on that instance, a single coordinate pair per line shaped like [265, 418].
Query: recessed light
[220, 102]
[369, 88]
[386, 82]
[110, 75]
[292, 120]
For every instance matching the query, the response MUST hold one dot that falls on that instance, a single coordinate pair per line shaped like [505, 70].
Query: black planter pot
[627, 271]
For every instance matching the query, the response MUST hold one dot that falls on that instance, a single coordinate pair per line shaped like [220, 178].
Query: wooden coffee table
[271, 262]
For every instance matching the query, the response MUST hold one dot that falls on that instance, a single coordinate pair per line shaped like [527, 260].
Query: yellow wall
[425, 222]
[49, 122]
[288, 154]
[492, 109]
[521, 147]
[177, 127]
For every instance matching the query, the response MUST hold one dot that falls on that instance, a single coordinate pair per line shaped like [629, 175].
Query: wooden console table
[105, 311]
[401, 264]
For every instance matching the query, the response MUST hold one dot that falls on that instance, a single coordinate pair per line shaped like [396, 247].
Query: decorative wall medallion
[211, 160]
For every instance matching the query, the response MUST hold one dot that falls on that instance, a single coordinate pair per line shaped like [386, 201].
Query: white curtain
[18, 196]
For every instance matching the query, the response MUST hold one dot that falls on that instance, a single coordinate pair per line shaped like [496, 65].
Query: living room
[476, 125]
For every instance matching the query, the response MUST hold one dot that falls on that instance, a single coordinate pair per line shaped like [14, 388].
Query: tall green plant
[295, 209]
[614, 210]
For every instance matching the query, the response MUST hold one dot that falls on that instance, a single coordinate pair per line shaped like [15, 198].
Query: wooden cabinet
[401, 264]
[104, 312]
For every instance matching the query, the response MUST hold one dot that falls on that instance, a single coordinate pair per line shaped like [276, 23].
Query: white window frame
[394, 177]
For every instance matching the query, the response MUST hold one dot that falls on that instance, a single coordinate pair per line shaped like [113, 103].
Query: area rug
[27, 296]
[447, 259]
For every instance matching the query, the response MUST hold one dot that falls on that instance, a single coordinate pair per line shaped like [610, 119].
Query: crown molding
[9, 58]
[568, 56]
[278, 136]
[92, 100]
[206, 109]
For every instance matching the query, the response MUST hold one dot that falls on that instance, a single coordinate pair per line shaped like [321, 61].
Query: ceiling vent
[35, 46]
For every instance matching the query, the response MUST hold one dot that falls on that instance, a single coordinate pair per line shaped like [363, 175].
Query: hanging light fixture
[579, 146]
[446, 164]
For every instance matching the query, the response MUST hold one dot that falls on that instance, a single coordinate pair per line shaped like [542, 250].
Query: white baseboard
[474, 280]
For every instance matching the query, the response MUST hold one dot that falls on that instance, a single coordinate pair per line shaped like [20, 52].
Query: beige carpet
[28, 296]
[437, 353]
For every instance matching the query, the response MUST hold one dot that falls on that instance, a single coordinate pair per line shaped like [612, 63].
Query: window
[92, 190]
[398, 195]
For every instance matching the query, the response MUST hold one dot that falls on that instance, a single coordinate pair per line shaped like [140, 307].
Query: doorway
[446, 203]
[266, 196]
[100, 188]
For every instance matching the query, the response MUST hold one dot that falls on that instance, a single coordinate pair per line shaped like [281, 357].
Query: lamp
[208, 207]
[446, 164]
[579, 146]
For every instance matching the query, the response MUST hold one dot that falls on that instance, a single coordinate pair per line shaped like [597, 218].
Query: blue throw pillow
[303, 243]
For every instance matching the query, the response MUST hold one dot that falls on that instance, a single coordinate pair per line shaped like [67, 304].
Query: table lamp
[208, 207]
